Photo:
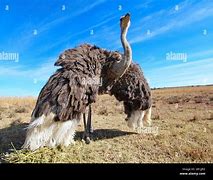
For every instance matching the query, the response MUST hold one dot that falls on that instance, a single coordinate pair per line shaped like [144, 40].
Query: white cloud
[145, 4]
[190, 73]
[69, 37]
[205, 80]
[164, 20]
[54, 22]
[26, 36]
[40, 73]
[200, 54]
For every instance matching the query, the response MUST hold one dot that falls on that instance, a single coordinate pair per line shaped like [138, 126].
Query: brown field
[183, 116]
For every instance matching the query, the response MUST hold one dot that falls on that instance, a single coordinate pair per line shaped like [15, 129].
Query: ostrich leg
[89, 120]
[87, 126]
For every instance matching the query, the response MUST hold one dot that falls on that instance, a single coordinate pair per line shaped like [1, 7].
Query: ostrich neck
[120, 67]
[127, 49]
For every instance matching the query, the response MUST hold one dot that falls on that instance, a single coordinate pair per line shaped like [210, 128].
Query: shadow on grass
[15, 136]
[12, 136]
[100, 134]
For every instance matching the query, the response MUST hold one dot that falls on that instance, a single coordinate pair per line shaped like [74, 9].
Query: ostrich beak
[126, 15]
[125, 20]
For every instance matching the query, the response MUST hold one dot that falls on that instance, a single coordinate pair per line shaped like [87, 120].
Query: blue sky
[39, 30]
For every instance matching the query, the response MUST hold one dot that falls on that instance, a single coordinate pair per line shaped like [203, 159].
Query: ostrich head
[125, 22]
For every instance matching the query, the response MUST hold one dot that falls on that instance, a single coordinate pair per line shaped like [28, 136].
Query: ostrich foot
[86, 138]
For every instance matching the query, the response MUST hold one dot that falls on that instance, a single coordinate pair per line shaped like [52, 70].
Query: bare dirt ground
[182, 131]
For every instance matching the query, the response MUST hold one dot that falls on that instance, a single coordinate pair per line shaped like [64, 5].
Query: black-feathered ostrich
[64, 98]
[134, 91]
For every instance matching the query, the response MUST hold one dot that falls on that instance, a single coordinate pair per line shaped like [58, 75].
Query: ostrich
[133, 89]
[64, 98]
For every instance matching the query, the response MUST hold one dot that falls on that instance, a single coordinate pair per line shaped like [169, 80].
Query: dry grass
[184, 117]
